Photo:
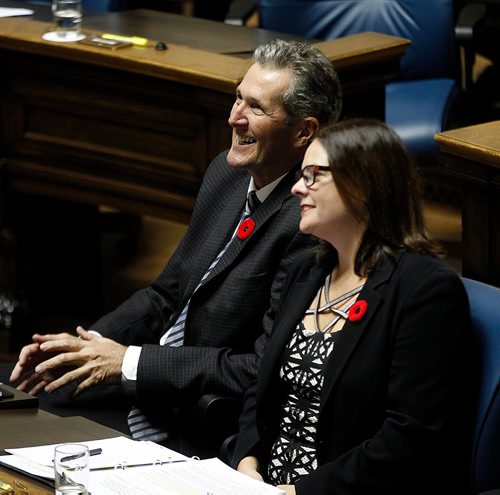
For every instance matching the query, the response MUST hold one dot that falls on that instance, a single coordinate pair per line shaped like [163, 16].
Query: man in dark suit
[196, 329]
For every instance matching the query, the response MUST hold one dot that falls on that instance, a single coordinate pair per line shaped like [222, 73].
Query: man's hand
[249, 466]
[29, 357]
[92, 360]
[63, 358]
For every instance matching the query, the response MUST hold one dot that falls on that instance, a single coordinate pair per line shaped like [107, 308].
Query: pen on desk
[125, 465]
[76, 456]
[135, 40]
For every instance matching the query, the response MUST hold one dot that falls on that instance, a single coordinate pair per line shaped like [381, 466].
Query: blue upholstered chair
[106, 5]
[420, 102]
[485, 312]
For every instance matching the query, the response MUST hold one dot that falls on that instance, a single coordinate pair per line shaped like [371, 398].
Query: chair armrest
[239, 11]
[213, 409]
[468, 19]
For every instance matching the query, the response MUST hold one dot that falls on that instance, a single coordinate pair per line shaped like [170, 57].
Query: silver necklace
[329, 305]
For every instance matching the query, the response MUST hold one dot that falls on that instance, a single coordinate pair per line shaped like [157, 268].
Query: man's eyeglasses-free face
[309, 173]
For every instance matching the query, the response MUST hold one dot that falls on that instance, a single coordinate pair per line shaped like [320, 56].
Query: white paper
[7, 12]
[166, 472]
[23, 464]
[207, 477]
[115, 451]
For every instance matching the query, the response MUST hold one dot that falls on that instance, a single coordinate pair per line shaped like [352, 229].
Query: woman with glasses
[361, 388]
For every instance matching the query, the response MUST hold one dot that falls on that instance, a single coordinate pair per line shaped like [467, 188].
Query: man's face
[262, 142]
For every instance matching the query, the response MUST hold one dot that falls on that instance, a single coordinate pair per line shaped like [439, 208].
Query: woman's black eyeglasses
[309, 172]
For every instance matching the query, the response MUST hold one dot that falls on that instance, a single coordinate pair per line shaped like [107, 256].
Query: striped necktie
[140, 427]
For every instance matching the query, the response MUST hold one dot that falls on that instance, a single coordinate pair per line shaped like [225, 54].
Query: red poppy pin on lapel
[246, 228]
[358, 310]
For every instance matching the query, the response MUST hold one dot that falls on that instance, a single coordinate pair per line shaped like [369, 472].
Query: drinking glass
[67, 16]
[71, 469]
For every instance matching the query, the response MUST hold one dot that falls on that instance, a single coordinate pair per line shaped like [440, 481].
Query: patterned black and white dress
[293, 454]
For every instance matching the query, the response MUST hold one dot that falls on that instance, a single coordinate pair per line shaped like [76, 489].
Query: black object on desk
[5, 393]
[10, 398]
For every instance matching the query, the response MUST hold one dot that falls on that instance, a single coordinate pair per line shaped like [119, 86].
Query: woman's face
[323, 212]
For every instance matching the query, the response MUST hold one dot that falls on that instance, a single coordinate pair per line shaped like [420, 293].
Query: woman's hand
[288, 489]
[249, 466]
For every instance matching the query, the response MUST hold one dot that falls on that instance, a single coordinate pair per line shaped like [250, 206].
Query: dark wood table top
[480, 143]
[195, 32]
[185, 61]
[32, 427]
[198, 33]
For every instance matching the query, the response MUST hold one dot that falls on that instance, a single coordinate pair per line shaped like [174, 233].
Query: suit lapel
[298, 300]
[221, 231]
[261, 216]
[353, 331]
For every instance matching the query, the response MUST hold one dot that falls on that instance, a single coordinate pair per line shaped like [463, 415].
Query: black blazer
[393, 386]
[225, 318]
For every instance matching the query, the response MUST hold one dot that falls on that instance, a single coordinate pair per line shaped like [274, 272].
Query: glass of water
[67, 16]
[71, 469]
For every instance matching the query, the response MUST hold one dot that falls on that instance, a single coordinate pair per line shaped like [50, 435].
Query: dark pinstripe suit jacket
[227, 314]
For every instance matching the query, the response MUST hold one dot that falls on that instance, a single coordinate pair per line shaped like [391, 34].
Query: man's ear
[307, 130]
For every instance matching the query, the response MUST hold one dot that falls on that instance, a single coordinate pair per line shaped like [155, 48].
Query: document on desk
[116, 452]
[8, 12]
[206, 477]
[130, 467]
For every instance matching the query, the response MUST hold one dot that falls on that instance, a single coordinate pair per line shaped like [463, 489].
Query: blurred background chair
[106, 5]
[484, 303]
[428, 95]
[486, 41]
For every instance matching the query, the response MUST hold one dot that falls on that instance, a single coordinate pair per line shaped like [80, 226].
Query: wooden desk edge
[478, 143]
[185, 64]
[35, 487]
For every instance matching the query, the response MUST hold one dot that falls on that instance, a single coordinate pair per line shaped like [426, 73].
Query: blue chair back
[105, 5]
[429, 24]
[422, 99]
[484, 303]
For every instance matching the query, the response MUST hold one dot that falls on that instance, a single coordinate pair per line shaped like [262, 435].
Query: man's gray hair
[314, 89]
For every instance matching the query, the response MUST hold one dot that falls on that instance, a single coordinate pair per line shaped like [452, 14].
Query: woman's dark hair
[379, 183]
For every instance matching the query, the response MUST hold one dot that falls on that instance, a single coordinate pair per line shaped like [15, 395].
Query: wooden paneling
[135, 128]
[473, 154]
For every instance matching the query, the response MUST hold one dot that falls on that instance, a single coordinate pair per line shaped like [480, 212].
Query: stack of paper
[116, 452]
[207, 477]
[8, 12]
[129, 467]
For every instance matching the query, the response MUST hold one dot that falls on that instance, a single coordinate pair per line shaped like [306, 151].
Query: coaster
[56, 36]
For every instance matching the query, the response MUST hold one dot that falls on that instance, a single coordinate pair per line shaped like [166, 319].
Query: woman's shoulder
[426, 271]
[425, 264]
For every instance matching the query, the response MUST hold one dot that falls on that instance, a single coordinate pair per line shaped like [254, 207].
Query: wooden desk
[31, 427]
[473, 153]
[135, 128]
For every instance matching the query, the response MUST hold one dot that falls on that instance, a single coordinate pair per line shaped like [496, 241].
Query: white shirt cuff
[131, 361]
